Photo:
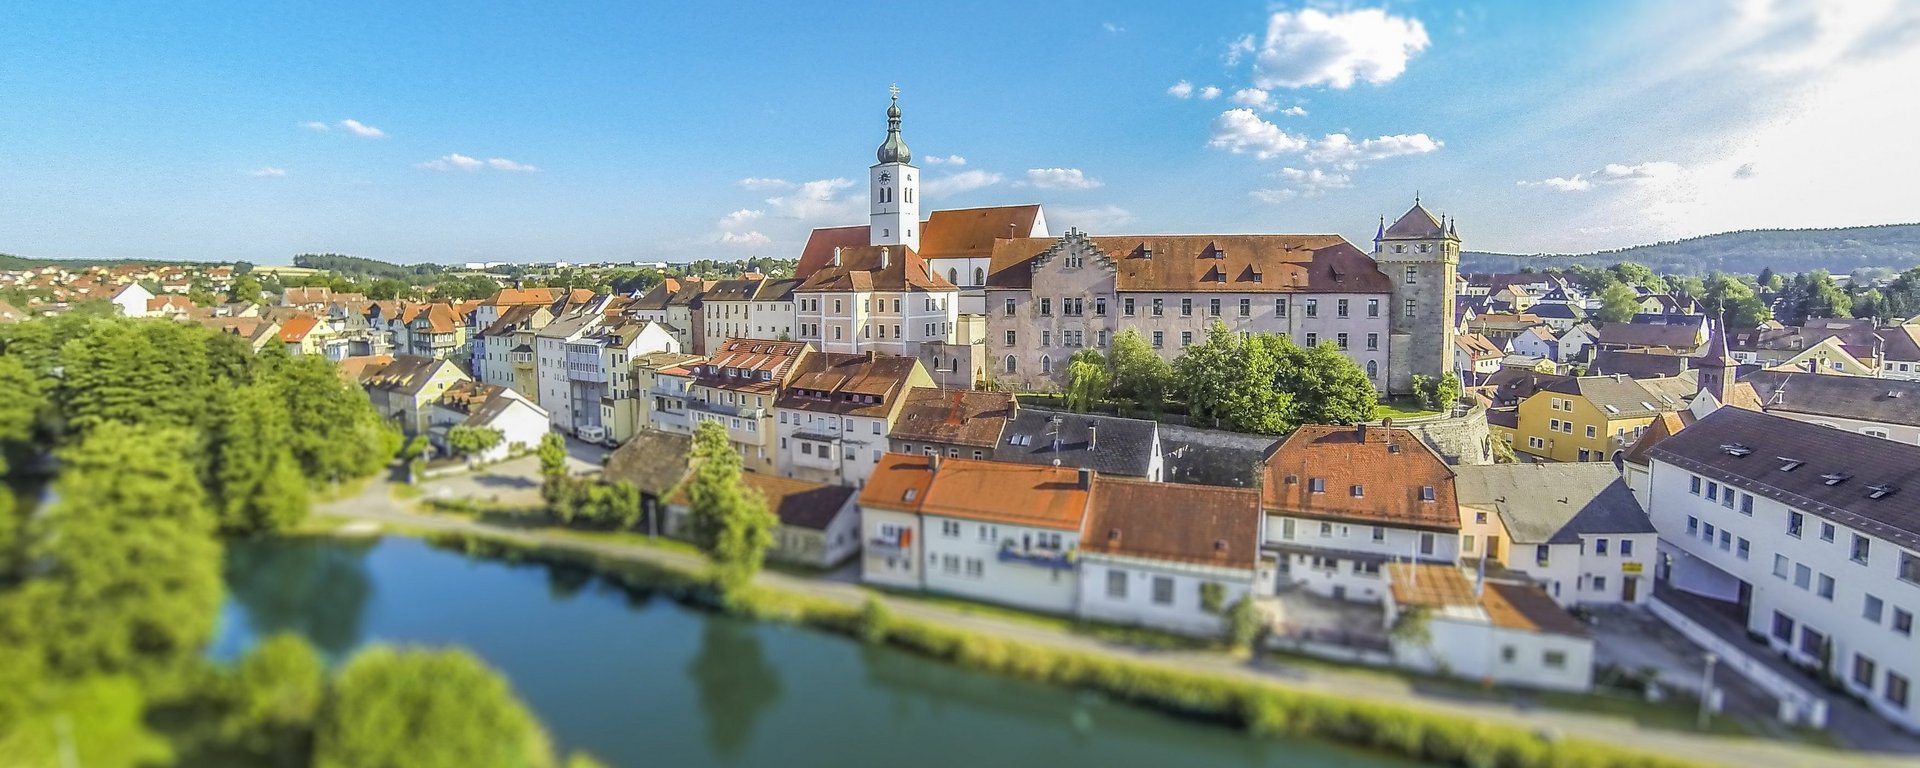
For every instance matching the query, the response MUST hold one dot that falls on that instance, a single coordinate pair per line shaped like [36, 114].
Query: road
[376, 504]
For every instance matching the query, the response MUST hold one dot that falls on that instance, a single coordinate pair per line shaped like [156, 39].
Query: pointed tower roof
[1381, 233]
[1717, 354]
[1415, 224]
[894, 149]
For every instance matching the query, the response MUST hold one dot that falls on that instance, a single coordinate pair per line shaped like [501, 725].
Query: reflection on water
[640, 681]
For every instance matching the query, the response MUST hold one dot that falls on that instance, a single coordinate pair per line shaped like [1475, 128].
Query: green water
[647, 682]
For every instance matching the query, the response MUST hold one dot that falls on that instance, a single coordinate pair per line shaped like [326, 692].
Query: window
[1100, 306]
[1413, 273]
[1186, 338]
[950, 528]
[1802, 576]
[1542, 555]
[1860, 547]
[1359, 491]
[1554, 659]
[1280, 307]
[1313, 307]
[1508, 653]
[1162, 590]
[1726, 540]
[1046, 364]
[1009, 307]
[1626, 547]
[1286, 528]
[1903, 622]
[1340, 308]
[1599, 583]
[1713, 491]
[1426, 543]
[1373, 307]
[1011, 366]
[1693, 483]
[1600, 546]
[1373, 366]
[1326, 530]
[1590, 432]
[1186, 307]
[1746, 504]
[1826, 532]
[1126, 306]
[1246, 307]
[1373, 341]
[1379, 533]
[1046, 338]
[1410, 308]
[1744, 549]
[1213, 307]
[1795, 522]
[1341, 340]
[1117, 584]
[1782, 627]
[1780, 566]
[1897, 689]
[1863, 669]
[1159, 307]
[1159, 339]
[1426, 494]
[1909, 568]
[1317, 485]
[1826, 587]
[1313, 339]
[1011, 338]
[1046, 307]
[1872, 609]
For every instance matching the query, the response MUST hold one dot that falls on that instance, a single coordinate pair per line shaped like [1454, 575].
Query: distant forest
[9, 262]
[1839, 251]
[359, 267]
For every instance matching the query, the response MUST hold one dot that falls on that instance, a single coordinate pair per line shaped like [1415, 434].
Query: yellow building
[1589, 418]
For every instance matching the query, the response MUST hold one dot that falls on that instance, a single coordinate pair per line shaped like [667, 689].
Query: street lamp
[1706, 689]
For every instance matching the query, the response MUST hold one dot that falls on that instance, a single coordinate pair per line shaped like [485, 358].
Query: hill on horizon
[1839, 250]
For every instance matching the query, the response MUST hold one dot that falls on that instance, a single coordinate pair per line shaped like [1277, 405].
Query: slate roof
[953, 417]
[1415, 224]
[797, 503]
[1391, 466]
[1638, 365]
[652, 460]
[1167, 521]
[1212, 457]
[732, 290]
[1553, 503]
[1509, 386]
[1888, 401]
[1680, 337]
[512, 319]
[867, 385]
[1708, 448]
[1902, 343]
[1617, 396]
[777, 290]
[1555, 311]
[1119, 446]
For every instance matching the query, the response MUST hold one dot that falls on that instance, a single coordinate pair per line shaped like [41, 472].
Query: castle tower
[1420, 255]
[894, 194]
[1717, 368]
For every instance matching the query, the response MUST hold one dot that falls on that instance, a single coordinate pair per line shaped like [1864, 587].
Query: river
[648, 682]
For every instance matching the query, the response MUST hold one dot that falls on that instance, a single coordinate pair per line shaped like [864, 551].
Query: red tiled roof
[295, 329]
[876, 267]
[1390, 465]
[819, 250]
[1215, 263]
[971, 232]
[1200, 524]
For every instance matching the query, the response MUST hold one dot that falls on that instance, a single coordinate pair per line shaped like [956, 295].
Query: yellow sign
[1630, 567]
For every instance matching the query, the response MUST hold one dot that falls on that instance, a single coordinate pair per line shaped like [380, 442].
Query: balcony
[1060, 560]
[880, 545]
[593, 374]
[731, 411]
[523, 358]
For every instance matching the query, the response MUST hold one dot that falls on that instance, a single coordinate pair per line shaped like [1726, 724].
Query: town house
[836, 412]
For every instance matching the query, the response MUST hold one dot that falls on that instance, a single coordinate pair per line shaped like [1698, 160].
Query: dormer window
[1426, 493]
[1317, 485]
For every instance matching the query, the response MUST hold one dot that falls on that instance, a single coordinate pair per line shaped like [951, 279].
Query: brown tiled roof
[507, 297]
[652, 460]
[752, 358]
[1221, 263]
[356, 368]
[1665, 425]
[1527, 607]
[851, 385]
[819, 250]
[861, 268]
[1169, 521]
[295, 329]
[1390, 465]
[1508, 386]
[405, 374]
[899, 482]
[994, 491]
[1415, 224]
[796, 502]
[466, 396]
[970, 232]
[315, 295]
[953, 417]
[1477, 345]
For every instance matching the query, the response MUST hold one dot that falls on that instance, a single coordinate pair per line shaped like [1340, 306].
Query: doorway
[1629, 588]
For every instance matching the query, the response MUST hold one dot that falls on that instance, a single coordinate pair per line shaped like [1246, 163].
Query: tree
[1635, 273]
[136, 372]
[128, 577]
[463, 287]
[1729, 298]
[424, 709]
[1446, 393]
[1203, 376]
[553, 455]
[1244, 623]
[277, 691]
[1618, 303]
[385, 288]
[1327, 387]
[245, 290]
[473, 441]
[255, 480]
[729, 521]
[1088, 379]
[1139, 373]
[1870, 304]
[336, 433]
[21, 409]
[1768, 280]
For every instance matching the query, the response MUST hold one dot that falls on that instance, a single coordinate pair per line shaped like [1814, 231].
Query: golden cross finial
[894, 90]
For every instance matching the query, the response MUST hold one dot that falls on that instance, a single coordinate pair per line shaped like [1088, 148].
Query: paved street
[377, 504]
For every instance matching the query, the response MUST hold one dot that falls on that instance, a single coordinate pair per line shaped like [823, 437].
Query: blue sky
[414, 131]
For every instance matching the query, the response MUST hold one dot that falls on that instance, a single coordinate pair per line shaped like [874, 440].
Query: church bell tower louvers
[1420, 255]
[894, 189]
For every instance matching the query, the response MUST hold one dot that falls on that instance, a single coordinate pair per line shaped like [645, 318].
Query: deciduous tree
[1139, 373]
[1088, 379]
[729, 521]
[425, 709]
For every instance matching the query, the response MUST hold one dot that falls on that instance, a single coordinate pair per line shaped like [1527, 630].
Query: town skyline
[622, 135]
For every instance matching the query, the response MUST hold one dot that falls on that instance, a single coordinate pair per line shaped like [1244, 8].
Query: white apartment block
[875, 298]
[1807, 532]
[1169, 556]
[1575, 529]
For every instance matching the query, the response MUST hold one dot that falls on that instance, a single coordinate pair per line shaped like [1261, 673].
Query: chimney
[933, 463]
[836, 255]
[872, 355]
[883, 258]
[1086, 479]
[1386, 423]
[1361, 429]
[1093, 436]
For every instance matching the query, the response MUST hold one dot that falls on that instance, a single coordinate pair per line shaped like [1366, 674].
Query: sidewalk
[377, 505]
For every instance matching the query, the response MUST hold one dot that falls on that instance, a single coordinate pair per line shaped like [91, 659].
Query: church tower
[894, 194]
[1717, 369]
[1420, 255]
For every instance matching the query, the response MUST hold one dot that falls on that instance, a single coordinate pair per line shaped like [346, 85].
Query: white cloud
[1274, 195]
[1210, 93]
[740, 217]
[1180, 90]
[1240, 131]
[1294, 111]
[1310, 47]
[1112, 28]
[744, 238]
[267, 172]
[758, 183]
[1302, 182]
[1657, 172]
[361, 129]
[948, 160]
[818, 201]
[964, 181]
[1746, 171]
[1059, 178]
[315, 125]
[453, 162]
[503, 164]
[1256, 98]
[1096, 219]
[1238, 49]
[1340, 150]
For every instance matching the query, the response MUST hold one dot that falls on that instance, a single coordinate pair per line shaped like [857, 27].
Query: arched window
[936, 363]
[1046, 364]
[1011, 367]
[953, 276]
[1373, 369]
[979, 276]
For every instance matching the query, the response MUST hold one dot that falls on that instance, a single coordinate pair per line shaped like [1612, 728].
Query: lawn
[1401, 408]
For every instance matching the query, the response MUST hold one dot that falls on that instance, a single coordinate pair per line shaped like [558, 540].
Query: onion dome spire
[894, 149]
